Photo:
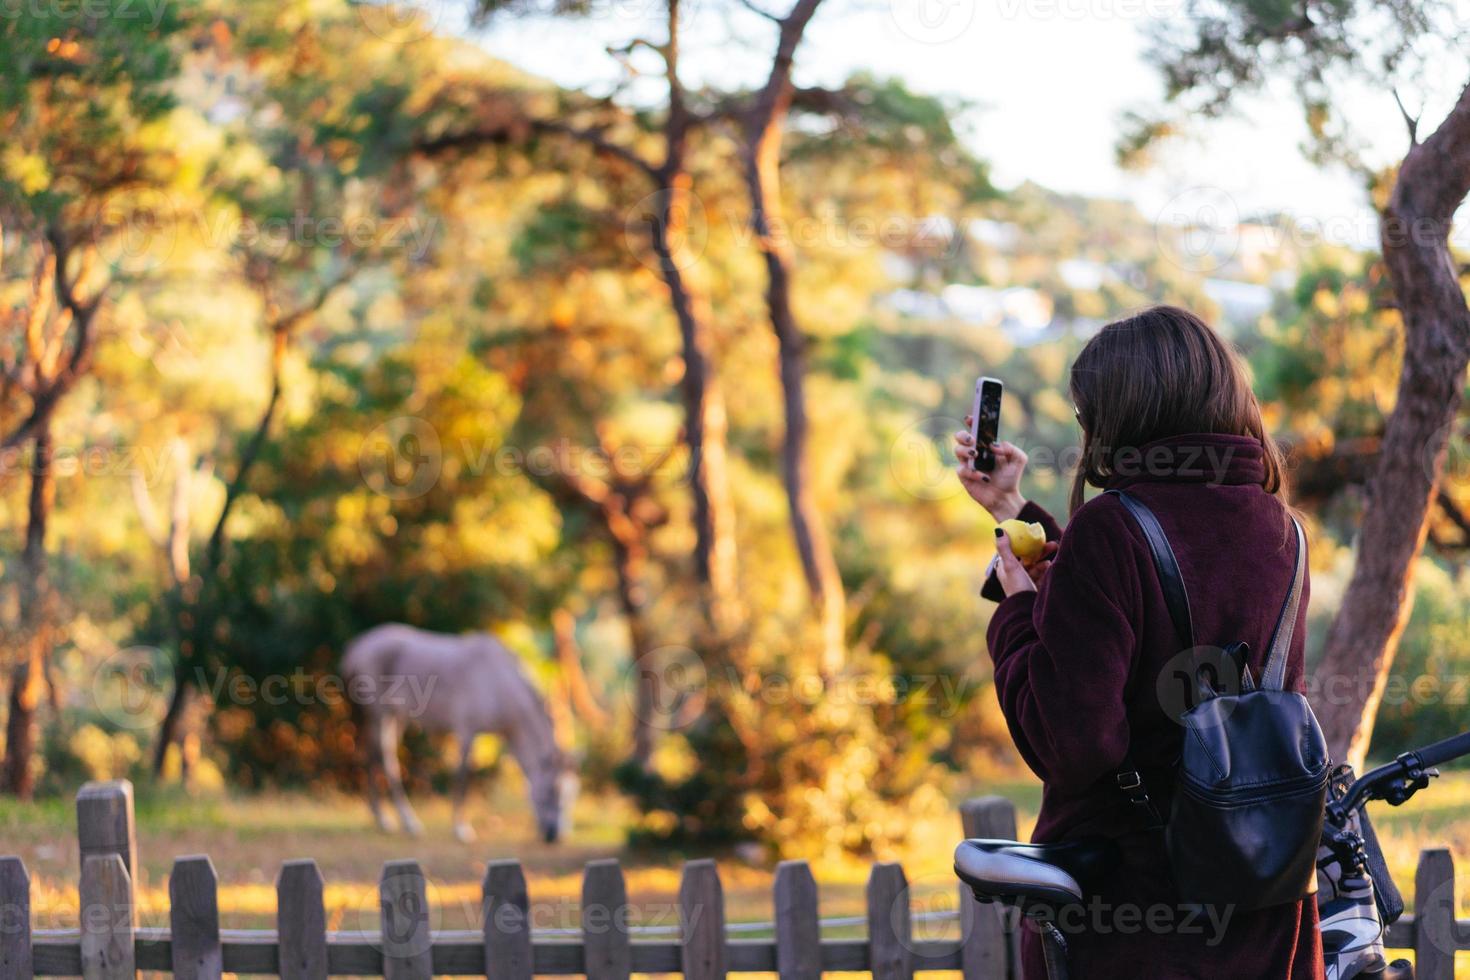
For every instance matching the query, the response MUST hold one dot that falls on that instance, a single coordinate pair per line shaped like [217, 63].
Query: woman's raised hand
[998, 491]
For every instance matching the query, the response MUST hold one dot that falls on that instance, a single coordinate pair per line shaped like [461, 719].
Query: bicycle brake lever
[1401, 790]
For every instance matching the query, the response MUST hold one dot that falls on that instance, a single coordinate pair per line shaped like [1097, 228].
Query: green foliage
[499, 328]
[1427, 695]
[563, 228]
[1333, 360]
[384, 504]
[882, 122]
[1217, 51]
[703, 804]
[82, 91]
[804, 765]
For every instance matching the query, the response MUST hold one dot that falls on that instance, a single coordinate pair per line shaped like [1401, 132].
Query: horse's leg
[462, 829]
[389, 729]
[372, 749]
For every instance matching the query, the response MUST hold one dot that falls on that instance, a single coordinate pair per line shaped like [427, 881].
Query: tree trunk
[630, 559]
[171, 729]
[20, 724]
[569, 658]
[818, 564]
[704, 419]
[762, 162]
[1432, 182]
[28, 678]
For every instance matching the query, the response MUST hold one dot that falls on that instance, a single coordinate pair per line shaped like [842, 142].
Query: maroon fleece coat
[1077, 668]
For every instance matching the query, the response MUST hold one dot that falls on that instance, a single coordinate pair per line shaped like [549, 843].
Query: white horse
[459, 684]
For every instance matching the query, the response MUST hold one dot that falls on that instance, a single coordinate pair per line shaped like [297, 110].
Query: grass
[248, 837]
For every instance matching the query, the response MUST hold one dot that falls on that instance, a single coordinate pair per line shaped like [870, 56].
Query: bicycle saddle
[1047, 875]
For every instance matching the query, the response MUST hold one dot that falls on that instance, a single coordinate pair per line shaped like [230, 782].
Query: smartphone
[985, 422]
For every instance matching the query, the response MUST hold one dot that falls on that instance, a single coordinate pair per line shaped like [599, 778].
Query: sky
[1048, 81]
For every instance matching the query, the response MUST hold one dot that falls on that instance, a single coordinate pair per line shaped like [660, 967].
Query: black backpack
[1251, 781]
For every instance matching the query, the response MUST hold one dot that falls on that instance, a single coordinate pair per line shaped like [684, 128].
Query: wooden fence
[109, 945]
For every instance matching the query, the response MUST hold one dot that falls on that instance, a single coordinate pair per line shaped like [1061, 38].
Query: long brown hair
[1162, 372]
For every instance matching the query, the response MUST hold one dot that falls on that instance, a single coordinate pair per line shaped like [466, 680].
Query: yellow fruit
[1027, 540]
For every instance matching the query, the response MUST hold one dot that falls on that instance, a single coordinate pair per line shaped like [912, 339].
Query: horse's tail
[360, 655]
[359, 719]
[351, 666]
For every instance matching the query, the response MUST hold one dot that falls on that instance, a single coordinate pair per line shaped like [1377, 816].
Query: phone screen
[986, 415]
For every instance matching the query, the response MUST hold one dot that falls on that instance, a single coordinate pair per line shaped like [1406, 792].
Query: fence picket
[702, 921]
[798, 930]
[194, 919]
[301, 922]
[606, 948]
[105, 822]
[403, 897]
[988, 949]
[890, 929]
[106, 919]
[1434, 916]
[507, 911]
[15, 920]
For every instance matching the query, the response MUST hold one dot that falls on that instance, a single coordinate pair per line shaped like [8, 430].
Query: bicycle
[1356, 897]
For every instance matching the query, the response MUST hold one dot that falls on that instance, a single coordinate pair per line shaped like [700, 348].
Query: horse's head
[553, 795]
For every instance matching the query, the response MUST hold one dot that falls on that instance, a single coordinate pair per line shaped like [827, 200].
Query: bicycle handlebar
[1381, 782]
[1442, 752]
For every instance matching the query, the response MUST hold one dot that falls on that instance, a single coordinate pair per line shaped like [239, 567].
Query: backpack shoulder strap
[1175, 595]
[1130, 778]
[1274, 677]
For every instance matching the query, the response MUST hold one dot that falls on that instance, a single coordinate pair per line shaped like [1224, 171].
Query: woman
[1081, 638]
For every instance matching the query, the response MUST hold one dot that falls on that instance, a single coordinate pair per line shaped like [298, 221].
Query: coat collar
[1201, 457]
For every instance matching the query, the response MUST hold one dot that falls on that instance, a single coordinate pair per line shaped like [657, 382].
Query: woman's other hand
[1037, 566]
[1013, 575]
[998, 491]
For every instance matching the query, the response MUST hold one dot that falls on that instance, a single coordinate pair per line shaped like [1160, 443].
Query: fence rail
[109, 945]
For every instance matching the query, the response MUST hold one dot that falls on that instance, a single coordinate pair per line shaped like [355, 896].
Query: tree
[57, 334]
[1432, 182]
[1234, 47]
[886, 126]
[868, 113]
[320, 201]
[664, 213]
[73, 186]
[625, 508]
[194, 615]
[761, 125]
[758, 120]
